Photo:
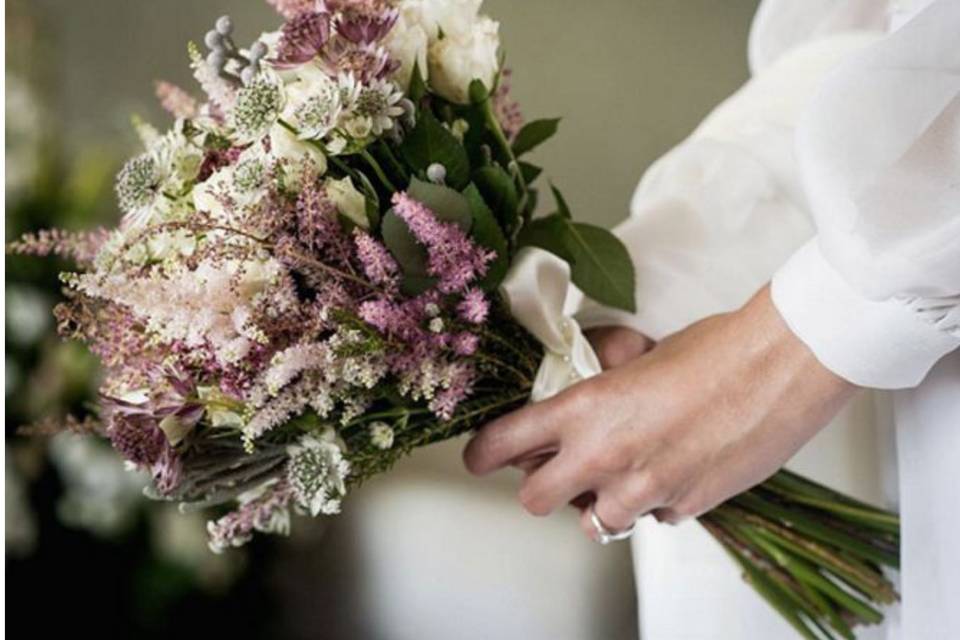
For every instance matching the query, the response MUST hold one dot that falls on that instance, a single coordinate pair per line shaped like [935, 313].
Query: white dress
[835, 173]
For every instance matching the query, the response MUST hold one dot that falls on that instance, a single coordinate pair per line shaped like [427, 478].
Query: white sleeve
[876, 294]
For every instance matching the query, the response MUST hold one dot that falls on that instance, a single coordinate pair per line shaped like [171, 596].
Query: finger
[615, 519]
[514, 436]
[620, 505]
[533, 461]
[617, 345]
[555, 484]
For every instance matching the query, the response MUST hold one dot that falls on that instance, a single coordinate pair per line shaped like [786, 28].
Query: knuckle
[642, 492]
[532, 501]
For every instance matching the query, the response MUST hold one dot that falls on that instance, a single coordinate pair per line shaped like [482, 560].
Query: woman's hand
[708, 413]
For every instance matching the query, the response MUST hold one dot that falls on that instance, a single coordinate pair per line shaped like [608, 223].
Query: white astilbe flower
[289, 363]
[204, 306]
[317, 473]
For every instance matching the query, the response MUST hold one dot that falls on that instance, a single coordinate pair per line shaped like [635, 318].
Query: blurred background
[425, 552]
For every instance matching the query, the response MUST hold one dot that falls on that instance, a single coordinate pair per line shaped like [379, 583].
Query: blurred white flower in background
[101, 496]
[24, 130]
[20, 527]
[459, 58]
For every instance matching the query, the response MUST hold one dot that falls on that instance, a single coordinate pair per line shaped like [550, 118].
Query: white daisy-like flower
[377, 106]
[257, 107]
[317, 472]
[318, 106]
[381, 435]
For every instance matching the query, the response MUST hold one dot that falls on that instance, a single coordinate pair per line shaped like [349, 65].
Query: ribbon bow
[542, 300]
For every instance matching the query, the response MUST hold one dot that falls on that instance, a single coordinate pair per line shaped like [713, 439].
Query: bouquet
[331, 259]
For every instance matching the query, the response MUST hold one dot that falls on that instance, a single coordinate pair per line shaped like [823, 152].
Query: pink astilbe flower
[465, 344]
[304, 37]
[176, 101]
[506, 108]
[377, 263]
[267, 511]
[474, 308]
[79, 246]
[452, 256]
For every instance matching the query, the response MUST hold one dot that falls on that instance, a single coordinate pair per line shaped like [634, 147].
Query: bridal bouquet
[331, 259]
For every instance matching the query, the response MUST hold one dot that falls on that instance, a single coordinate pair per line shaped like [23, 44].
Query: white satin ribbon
[540, 296]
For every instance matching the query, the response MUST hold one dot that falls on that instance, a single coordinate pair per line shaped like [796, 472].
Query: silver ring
[604, 535]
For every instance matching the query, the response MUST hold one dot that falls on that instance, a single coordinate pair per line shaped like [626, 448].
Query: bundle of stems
[816, 555]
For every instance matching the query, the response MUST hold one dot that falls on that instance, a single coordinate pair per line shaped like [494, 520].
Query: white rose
[451, 17]
[293, 153]
[408, 43]
[350, 202]
[458, 59]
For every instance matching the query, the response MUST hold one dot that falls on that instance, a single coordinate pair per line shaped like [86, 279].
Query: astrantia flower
[381, 435]
[378, 105]
[257, 108]
[303, 37]
[365, 22]
[317, 473]
[366, 61]
[138, 185]
[319, 107]
[249, 175]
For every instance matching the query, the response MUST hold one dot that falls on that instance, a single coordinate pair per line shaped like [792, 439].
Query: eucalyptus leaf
[447, 204]
[403, 246]
[430, 142]
[500, 193]
[533, 134]
[487, 233]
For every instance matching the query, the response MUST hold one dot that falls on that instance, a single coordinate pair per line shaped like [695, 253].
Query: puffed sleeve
[876, 293]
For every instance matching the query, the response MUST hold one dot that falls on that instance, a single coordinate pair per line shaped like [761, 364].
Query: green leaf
[403, 246]
[602, 267]
[530, 172]
[550, 234]
[599, 263]
[562, 207]
[418, 86]
[371, 199]
[500, 193]
[431, 142]
[533, 134]
[488, 233]
[448, 205]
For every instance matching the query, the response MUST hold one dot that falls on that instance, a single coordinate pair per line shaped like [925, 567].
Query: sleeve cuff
[881, 344]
